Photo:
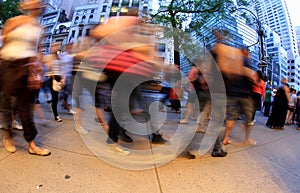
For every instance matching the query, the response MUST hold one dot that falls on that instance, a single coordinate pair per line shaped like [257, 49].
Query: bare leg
[77, 117]
[189, 109]
[38, 110]
[248, 140]
[229, 127]
[101, 118]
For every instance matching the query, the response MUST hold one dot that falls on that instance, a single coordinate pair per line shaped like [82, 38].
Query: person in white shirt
[291, 108]
[20, 39]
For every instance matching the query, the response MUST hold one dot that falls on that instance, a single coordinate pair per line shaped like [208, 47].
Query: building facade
[297, 29]
[277, 56]
[275, 14]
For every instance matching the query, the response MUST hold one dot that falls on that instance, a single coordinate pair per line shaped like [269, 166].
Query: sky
[294, 9]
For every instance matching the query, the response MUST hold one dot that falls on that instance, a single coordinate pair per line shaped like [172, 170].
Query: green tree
[8, 9]
[176, 15]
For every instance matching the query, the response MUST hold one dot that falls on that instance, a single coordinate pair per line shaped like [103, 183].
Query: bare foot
[226, 142]
[249, 142]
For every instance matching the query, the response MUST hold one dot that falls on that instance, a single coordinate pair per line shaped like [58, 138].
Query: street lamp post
[262, 60]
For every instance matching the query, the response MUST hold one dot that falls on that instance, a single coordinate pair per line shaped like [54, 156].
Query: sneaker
[115, 148]
[124, 137]
[157, 139]
[189, 155]
[71, 112]
[45, 121]
[219, 153]
[58, 119]
[17, 126]
[82, 131]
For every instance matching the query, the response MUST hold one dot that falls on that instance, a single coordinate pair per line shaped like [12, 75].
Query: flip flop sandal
[39, 151]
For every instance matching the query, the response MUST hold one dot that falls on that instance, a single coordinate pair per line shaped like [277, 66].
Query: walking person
[21, 35]
[292, 106]
[57, 79]
[277, 117]
[67, 65]
[268, 102]
[193, 87]
[258, 93]
[234, 66]
[175, 94]
[297, 110]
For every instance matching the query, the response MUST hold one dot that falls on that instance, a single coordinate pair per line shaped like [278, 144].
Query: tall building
[275, 14]
[277, 57]
[297, 29]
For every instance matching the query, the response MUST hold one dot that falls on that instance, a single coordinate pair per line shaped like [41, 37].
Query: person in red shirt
[258, 93]
[175, 93]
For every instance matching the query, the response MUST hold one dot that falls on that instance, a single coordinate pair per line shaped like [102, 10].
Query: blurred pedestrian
[267, 102]
[21, 35]
[57, 79]
[67, 65]
[292, 106]
[297, 110]
[193, 88]
[258, 93]
[119, 58]
[175, 94]
[280, 106]
[234, 66]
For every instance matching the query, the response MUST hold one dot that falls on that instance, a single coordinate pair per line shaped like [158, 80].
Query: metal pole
[262, 63]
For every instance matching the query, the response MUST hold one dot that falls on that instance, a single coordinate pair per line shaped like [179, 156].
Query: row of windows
[86, 11]
[83, 19]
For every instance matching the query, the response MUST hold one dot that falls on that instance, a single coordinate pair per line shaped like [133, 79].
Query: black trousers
[14, 93]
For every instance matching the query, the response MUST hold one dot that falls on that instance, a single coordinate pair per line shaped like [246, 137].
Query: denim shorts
[240, 107]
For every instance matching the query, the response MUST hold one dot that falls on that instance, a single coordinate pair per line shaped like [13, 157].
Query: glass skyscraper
[275, 14]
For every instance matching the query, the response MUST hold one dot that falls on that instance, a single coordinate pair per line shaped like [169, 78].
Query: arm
[14, 22]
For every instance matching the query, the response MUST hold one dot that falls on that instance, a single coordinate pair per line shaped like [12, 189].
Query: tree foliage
[181, 16]
[8, 9]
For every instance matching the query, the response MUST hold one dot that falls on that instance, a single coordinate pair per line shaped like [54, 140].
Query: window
[87, 33]
[73, 33]
[104, 8]
[161, 47]
[115, 3]
[83, 19]
[135, 3]
[76, 20]
[125, 2]
[91, 18]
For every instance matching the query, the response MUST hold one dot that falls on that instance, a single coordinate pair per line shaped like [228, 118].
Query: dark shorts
[240, 107]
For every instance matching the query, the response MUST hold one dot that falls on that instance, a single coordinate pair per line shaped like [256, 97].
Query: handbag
[57, 86]
[34, 79]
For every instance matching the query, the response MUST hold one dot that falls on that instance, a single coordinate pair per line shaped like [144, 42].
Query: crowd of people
[244, 88]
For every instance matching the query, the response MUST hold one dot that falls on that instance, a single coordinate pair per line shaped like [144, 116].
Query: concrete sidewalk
[78, 164]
